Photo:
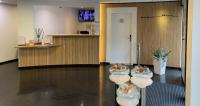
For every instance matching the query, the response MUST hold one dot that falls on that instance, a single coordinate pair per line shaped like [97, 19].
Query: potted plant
[160, 60]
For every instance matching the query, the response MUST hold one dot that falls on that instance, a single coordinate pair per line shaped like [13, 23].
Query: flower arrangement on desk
[39, 34]
[160, 60]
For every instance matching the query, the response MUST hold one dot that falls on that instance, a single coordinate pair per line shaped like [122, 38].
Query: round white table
[141, 80]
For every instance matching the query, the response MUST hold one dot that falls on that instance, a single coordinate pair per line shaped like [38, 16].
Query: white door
[121, 24]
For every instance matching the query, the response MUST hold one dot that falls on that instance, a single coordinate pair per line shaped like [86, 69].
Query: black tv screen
[86, 15]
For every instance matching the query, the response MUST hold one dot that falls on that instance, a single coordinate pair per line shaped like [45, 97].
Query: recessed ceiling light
[1, 1]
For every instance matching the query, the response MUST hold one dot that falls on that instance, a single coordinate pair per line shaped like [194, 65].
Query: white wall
[8, 32]
[25, 19]
[26, 15]
[193, 54]
[56, 20]
[71, 20]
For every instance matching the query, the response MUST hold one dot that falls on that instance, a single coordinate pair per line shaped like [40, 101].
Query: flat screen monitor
[86, 15]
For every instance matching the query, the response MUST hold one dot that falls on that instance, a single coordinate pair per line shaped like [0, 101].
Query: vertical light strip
[101, 53]
[189, 54]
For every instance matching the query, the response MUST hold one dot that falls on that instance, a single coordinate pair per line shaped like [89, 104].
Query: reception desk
[65, 50]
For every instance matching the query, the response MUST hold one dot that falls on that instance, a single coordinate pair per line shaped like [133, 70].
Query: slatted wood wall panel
[160, 32]
[153, 32]
[77, 50]
[33, 56]
[71, 50]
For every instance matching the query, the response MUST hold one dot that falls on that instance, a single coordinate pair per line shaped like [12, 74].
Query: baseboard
[104, 63]
[5, 62]
[108, 63]
[60, 66]
[152, 66]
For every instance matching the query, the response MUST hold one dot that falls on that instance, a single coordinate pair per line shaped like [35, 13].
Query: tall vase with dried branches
[39, 32]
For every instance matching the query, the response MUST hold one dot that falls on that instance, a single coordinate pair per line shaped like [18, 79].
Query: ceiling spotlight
[1, 1]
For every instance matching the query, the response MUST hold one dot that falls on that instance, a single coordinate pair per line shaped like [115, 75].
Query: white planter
[159, 66]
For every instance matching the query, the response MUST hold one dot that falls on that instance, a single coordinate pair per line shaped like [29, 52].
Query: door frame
[133, 12]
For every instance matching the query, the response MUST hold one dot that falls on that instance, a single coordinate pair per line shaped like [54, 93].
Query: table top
[37, 46]
[74, 35]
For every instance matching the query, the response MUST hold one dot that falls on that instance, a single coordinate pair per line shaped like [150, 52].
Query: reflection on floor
[167, 90]
[77, 86]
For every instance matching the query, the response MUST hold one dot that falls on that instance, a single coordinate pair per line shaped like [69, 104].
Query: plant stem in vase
[38, 38]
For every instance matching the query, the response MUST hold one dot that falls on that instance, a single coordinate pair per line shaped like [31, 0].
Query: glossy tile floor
[75, 86]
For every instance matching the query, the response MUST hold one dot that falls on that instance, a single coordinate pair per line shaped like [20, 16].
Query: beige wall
[8, 32]
[152, 32]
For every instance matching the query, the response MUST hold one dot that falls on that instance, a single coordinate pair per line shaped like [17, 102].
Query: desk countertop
[36, 46]
[74, 35]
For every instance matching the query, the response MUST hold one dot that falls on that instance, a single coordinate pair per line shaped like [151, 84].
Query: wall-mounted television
[86, 15]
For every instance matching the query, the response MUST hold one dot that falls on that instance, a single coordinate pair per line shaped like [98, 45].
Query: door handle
[130, 38]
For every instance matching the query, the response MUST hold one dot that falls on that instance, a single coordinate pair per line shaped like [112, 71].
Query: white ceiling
[94, 1]
[131, 1]
[13, 2]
